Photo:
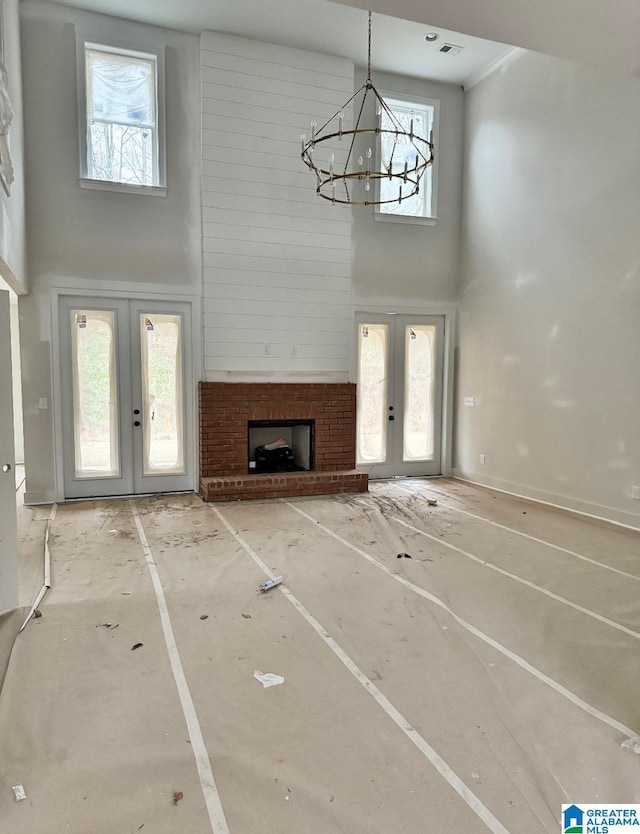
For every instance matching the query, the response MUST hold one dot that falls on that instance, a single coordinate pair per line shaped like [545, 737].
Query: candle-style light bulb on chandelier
[353, 182]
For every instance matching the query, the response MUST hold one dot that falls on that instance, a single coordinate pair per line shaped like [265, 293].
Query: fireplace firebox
[280, 446]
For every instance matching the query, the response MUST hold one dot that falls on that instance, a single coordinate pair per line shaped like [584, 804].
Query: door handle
[136, 422]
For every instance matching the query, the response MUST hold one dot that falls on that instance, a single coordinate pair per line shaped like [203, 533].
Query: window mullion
[140, 126]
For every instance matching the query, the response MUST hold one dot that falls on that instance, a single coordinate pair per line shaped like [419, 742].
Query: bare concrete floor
[475, 686]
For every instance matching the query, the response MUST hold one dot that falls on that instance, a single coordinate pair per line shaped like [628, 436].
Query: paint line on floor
[476, 805]
[537, 673]
[33, 608]
[47, 552]
[207, 781]
[47, 570]
[589, 613]
[520, 533]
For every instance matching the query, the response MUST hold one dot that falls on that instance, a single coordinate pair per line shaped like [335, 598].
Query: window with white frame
[423, 115]
[123, 142]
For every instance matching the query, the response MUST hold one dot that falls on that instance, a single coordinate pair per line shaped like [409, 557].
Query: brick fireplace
[226, 408]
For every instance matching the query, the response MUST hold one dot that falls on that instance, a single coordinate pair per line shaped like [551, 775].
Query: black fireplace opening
[280, 446]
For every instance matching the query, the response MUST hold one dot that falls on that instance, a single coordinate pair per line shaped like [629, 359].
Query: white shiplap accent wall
[277, 258]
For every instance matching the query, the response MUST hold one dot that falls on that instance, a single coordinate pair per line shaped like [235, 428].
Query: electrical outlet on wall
[635, 492]
[482, 460]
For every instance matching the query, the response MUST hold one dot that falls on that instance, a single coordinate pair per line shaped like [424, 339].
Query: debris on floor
[204, 616]
[404, 556]
[136, 646]
[107, 625]
[37, 613]
[268, 679]
[432, 502]
[632, 744]
[267, 586]
[177, 796]
[247, 616]
[20, 792]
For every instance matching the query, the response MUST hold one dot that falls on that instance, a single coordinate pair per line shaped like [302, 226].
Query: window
[122, 121]
[421, 208]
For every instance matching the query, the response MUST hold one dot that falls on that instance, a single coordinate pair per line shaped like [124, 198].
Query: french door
[127, 407]
[8, 535]
[400, 378]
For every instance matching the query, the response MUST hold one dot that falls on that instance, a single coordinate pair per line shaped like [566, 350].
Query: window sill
[127, 188]
[405, 218]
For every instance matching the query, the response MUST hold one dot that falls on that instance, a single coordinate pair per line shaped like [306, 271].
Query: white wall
[13, 264]
[13, 260]
[550, 298]
[403, 263]
[277, 258]
[87, 238]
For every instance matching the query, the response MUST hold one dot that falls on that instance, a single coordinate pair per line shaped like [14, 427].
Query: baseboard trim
[583, 509]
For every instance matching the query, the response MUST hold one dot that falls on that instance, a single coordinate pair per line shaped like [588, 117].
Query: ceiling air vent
[451, 49]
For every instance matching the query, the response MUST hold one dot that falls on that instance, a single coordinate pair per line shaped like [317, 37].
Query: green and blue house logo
[588, 818]
[572, 820]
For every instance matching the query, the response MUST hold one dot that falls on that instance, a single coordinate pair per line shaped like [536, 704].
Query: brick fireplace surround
[226, 408]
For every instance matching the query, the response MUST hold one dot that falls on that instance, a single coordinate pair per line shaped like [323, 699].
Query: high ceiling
[605, 33]
[322, 26]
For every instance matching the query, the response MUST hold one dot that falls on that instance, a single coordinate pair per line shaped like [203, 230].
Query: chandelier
[351, 182]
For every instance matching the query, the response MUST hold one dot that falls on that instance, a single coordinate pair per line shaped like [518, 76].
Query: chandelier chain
[369, 51]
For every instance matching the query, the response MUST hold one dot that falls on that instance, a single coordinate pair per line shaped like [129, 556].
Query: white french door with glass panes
[8, 523]
[126, 408]
[400, 390]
